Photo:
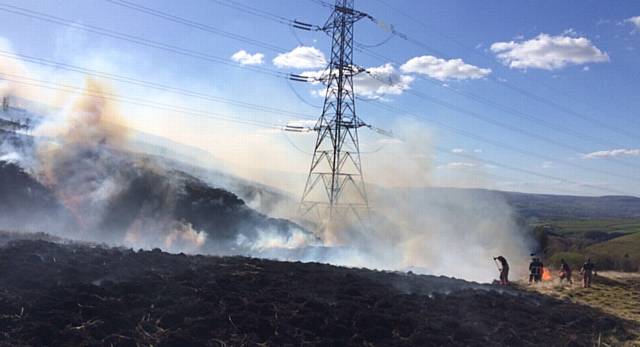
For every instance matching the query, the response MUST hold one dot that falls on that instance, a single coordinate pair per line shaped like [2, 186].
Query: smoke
[77, 155]
[11, 157]
[12, 67]
[83, 154]
[185, 238]
[268, 239]
[438, 230]
[450, 231]
[416, 226]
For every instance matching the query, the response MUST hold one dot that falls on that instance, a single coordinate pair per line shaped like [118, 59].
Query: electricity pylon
[335, 190]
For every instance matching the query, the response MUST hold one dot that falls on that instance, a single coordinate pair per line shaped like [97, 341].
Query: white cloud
[613, 153]
[548, 52]
[462, 150]
[457, 165]
[547, 165]
[301, 57]
[635, 21]
[380, 81]
[442, 69]
[245, 58]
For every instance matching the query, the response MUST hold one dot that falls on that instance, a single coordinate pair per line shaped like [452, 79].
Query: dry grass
[616, 293]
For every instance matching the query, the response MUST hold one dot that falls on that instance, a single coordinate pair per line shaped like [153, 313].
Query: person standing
[504, 270]
[535, 270]
[588, 271]
[565, 272]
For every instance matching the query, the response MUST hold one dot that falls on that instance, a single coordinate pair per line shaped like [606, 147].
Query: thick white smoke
[454, 232]
[84, 155]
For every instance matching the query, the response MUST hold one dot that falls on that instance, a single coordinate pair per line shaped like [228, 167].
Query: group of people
[536, 270]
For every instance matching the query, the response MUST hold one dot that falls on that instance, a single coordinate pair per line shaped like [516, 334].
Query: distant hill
[620, 253]
[542, 206]
[550, 207]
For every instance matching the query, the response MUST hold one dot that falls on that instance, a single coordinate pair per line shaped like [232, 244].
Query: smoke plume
[83, 155]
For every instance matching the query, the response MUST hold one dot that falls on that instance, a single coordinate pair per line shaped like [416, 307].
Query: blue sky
[572, 66]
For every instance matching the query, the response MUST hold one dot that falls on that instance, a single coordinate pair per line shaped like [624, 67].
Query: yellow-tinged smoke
[91, 121]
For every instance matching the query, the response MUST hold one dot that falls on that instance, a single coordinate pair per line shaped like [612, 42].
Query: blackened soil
[54, 294]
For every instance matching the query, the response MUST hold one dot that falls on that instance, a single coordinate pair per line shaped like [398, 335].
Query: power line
[133, 101]
[137, 40]
[194, 24]
[499, 82]
[295, 92]
[374, 45]
[510, 110]
[565, 94]
[266, 15]
[143, 42]
[495, 122]
[529, 172]
[218, 116]
[444, 151]
[496, 105]
[495, 143]
[486, 101]
[467, 94]
[73, 25]
[481, 99]
[153, 104]
[153, 85]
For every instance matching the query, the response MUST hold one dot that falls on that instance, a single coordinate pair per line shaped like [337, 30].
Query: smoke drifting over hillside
[112, 195]
[455, 232]
[83, 157]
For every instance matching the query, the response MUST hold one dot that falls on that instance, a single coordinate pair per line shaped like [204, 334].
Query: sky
[515, 95]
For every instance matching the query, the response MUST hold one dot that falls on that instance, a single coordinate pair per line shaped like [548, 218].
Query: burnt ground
[67, 294]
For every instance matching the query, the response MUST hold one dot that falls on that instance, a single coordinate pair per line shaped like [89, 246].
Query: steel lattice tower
[335, 190]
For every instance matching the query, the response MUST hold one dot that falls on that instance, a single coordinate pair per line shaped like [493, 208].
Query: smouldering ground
[69, 294]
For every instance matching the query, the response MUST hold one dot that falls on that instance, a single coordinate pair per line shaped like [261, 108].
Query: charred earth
[72, 294]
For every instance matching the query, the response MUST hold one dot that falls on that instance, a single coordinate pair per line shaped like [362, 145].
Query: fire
[546, 274]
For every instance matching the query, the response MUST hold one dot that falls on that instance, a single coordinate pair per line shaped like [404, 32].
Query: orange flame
[546, 274]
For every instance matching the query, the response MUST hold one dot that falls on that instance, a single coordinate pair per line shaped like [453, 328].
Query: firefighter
[588, 271]
[535, 270]
[504, 270]
[565, 272]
